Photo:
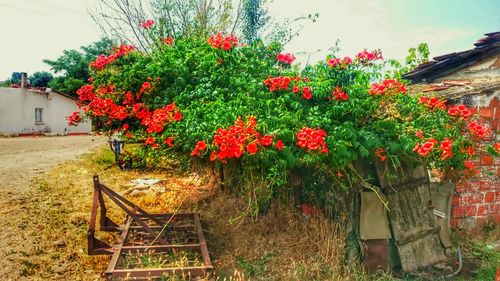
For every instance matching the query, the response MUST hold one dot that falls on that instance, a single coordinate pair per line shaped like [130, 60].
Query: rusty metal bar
[162, 247]
[203, 243]
[158, 272]
[134, 216]
[118, 248]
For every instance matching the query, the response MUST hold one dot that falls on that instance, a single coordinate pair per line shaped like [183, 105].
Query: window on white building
[38, 115]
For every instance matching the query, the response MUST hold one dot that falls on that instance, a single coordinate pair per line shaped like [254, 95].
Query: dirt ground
[22, 159]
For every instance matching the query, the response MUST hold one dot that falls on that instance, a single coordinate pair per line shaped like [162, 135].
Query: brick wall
[476, 202]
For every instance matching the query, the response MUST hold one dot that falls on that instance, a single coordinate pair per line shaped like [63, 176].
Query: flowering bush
[218, 102]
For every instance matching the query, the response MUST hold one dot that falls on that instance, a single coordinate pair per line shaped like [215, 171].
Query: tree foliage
[220, 103]
[40, 78]
[73, 68]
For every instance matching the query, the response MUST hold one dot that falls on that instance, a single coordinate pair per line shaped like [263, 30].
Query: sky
[33, 30]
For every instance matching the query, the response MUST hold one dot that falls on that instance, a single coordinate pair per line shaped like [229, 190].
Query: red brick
[495, 125]
[470, 211]
[486, 160]
[495, 102]
[454, 222]
[455, 201]
[486, 112]
[458, 212]
[495, 209]
[460, 187]
[488, 197]
[485, 186]
[497, 195]
[482, 210]
[496, 219]
[471, 198]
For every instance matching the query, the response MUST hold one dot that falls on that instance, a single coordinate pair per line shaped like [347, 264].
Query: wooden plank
[421, 252]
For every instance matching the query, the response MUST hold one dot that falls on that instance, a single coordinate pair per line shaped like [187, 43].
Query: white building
[29, 111]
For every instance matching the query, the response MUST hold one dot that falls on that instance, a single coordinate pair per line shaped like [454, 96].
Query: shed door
[413, 225]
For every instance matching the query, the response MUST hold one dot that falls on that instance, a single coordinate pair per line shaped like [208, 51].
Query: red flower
[477, 130]
[312, 139]
[380, 153]
[151, 141]
[446, 146]
[388, 86]
[125, 127]
[367, 56]
[285, 58]
[279, 145]
[146, 86]
[200, 146]
[426, 147]
[252, 148]
[147, 24]
[168, 40]
[339, 95]
[419, 134]
[278, 83]
[169, 141]
[74, 118]
[496, 146]
[226, 43]
[266, 140]
[102, 60]
[470, 166]
[432, 102]
[295, 89]
[177, 116]
[460, 110]
[306, 93]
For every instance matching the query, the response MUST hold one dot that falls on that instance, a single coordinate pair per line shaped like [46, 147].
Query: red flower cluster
[169, 141]
[285, 58]
[146, 86]
[74, 118]
[306, 93]
[233, 141]
[147, 24]
[460, 111]
[151, 141]
[432, 102]
[86, 92]
[226, 43]
[470, 166]
[339, 95]
[496, 147]
[369, 56]
[446, 146]
[278, 83]
[160, 117]
[380, 153]
[312, 139]
[425, 148]
[340, 62]
[477, 130]
[168, 40]
[103, 60]
[200, 147]
[387, 86]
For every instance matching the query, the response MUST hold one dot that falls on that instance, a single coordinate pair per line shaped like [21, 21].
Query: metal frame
[146, 225]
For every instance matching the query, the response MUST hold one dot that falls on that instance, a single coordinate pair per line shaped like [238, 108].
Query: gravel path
[21, 159]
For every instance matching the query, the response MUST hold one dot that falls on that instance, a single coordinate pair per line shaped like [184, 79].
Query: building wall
[477, 201]
[17, 112]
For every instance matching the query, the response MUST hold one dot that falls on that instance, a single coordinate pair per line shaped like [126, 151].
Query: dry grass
[278, 246]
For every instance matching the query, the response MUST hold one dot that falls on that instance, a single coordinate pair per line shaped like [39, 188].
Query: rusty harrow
[150, 246]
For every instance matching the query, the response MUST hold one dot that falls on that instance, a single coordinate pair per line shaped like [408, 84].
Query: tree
[254, 18]
[41, 78]
[416, 56]
[192, 18]
[73, 65]
[15, 78]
